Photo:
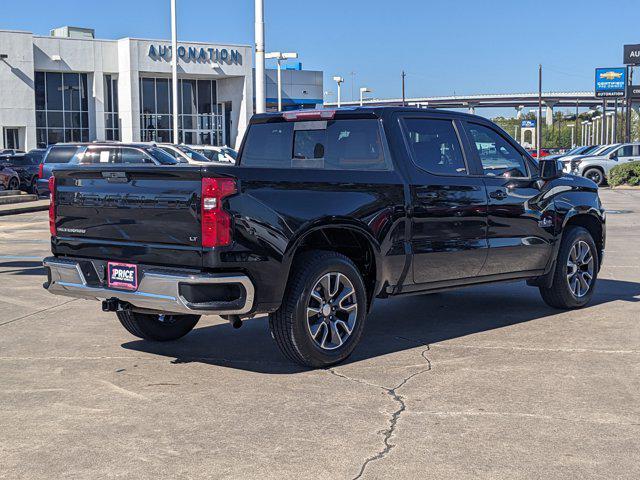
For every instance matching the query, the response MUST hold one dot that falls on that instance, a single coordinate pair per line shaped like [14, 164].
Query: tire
[150, 327]
[292, 328]
[595, 175]
[562, 292]
[14, 184]
[33, 188]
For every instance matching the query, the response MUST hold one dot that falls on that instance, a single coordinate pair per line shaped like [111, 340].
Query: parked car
[10, 151]
[183, 154]
[216, 154]
[26, 165]
[9, 179]
[99, 153]
[325, 211]
[597, 167]
[55, 155]
[544, 152]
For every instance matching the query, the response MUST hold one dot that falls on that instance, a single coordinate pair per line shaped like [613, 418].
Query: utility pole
[576, 122]
[627, 129]
[403, 75]
[615, 120]
[261, 105]
[539, 120]
[174, 69]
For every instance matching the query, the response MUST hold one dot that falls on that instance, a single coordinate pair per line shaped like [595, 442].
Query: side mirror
[612, 156]
[550, 169]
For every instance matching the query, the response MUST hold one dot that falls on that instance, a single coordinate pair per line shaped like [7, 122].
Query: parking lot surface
[485, 382]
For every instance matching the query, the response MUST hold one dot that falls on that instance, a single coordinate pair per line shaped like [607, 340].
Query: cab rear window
[329, 145]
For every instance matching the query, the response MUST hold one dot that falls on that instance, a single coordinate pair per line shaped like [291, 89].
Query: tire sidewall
[595, 170]
[300, 330]
[575, 235]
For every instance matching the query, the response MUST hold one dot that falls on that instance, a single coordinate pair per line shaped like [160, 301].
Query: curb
[22, 208]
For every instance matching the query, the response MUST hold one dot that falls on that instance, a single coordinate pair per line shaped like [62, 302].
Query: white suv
[597, 167]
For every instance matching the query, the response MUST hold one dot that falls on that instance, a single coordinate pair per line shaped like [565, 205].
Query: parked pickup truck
[324, 212]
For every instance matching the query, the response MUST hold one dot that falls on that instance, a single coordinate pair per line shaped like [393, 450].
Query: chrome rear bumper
[158, 291]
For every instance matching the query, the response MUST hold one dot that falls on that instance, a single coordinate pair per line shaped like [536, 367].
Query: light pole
[279, 56]
[259, 39]
[174, 69]
[364, 90]
[339, 81]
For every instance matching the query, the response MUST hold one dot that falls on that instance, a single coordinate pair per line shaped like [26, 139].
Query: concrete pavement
[486, 382]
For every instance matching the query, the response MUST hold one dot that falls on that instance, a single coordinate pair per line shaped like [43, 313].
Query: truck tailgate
[150, 213]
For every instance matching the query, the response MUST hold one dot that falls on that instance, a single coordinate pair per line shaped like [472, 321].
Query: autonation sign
[197, 54]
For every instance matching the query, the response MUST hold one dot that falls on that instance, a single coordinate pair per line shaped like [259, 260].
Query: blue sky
[466, 46]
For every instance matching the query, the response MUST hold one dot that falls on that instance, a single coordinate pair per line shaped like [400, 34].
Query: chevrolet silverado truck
[325, 211]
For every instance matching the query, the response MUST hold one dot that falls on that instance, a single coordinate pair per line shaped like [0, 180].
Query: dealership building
[71, 87]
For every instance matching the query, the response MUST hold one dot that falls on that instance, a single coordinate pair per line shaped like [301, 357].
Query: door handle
[498, 194]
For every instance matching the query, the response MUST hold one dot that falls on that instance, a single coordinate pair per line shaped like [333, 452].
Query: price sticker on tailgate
[122, 275]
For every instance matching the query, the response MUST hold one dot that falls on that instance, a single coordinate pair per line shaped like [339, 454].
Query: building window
[62, 110]
[200, 119]
[111, 120]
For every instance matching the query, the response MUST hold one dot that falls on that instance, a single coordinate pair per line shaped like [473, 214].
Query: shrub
[625, 174]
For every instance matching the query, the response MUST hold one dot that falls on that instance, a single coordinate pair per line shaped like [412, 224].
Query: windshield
[192, 154]
[173, 154]
[231, 152]
[161, 156]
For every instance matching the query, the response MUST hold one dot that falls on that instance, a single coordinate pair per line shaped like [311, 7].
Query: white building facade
[64, 89]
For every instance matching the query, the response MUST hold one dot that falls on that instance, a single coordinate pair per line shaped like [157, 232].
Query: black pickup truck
[324, 211]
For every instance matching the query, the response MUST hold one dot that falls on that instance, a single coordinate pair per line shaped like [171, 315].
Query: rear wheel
[14, 184]
[33, 188]
[160, 327]
[595, 175]
[323, 311]
[575, 272]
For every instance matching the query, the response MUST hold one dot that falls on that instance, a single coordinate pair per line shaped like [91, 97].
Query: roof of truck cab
[373, 111]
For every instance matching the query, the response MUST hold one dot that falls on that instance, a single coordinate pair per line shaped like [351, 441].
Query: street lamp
[279, 56]
[364, 90]
[339, 81]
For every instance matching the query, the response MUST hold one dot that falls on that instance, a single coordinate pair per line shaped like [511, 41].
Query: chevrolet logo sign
[611, 75]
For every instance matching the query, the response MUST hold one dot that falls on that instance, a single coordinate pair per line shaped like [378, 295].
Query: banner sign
[611, 82]
[528, 124]
[631, 55]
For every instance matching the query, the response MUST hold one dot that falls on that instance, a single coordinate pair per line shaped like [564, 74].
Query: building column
[549, 115]
[128, 91]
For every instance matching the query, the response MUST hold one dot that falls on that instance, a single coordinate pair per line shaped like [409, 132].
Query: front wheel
[595, 175]
[323, 310]
[160, 327]
[575, 272]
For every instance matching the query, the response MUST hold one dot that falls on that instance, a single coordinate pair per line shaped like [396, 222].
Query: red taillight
[216, 223]
[52, 205]
[40, 169]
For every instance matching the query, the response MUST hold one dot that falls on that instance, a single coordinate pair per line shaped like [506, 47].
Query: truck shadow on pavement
[393, 325]
[22, 267]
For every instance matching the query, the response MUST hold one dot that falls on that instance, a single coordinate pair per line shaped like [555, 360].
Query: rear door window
[331, 145]
[61, 154]
[95, 156]
[435, 146]
[133, 155]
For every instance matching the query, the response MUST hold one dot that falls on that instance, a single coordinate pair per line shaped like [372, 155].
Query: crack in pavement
[393, 393]
[37, 312]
